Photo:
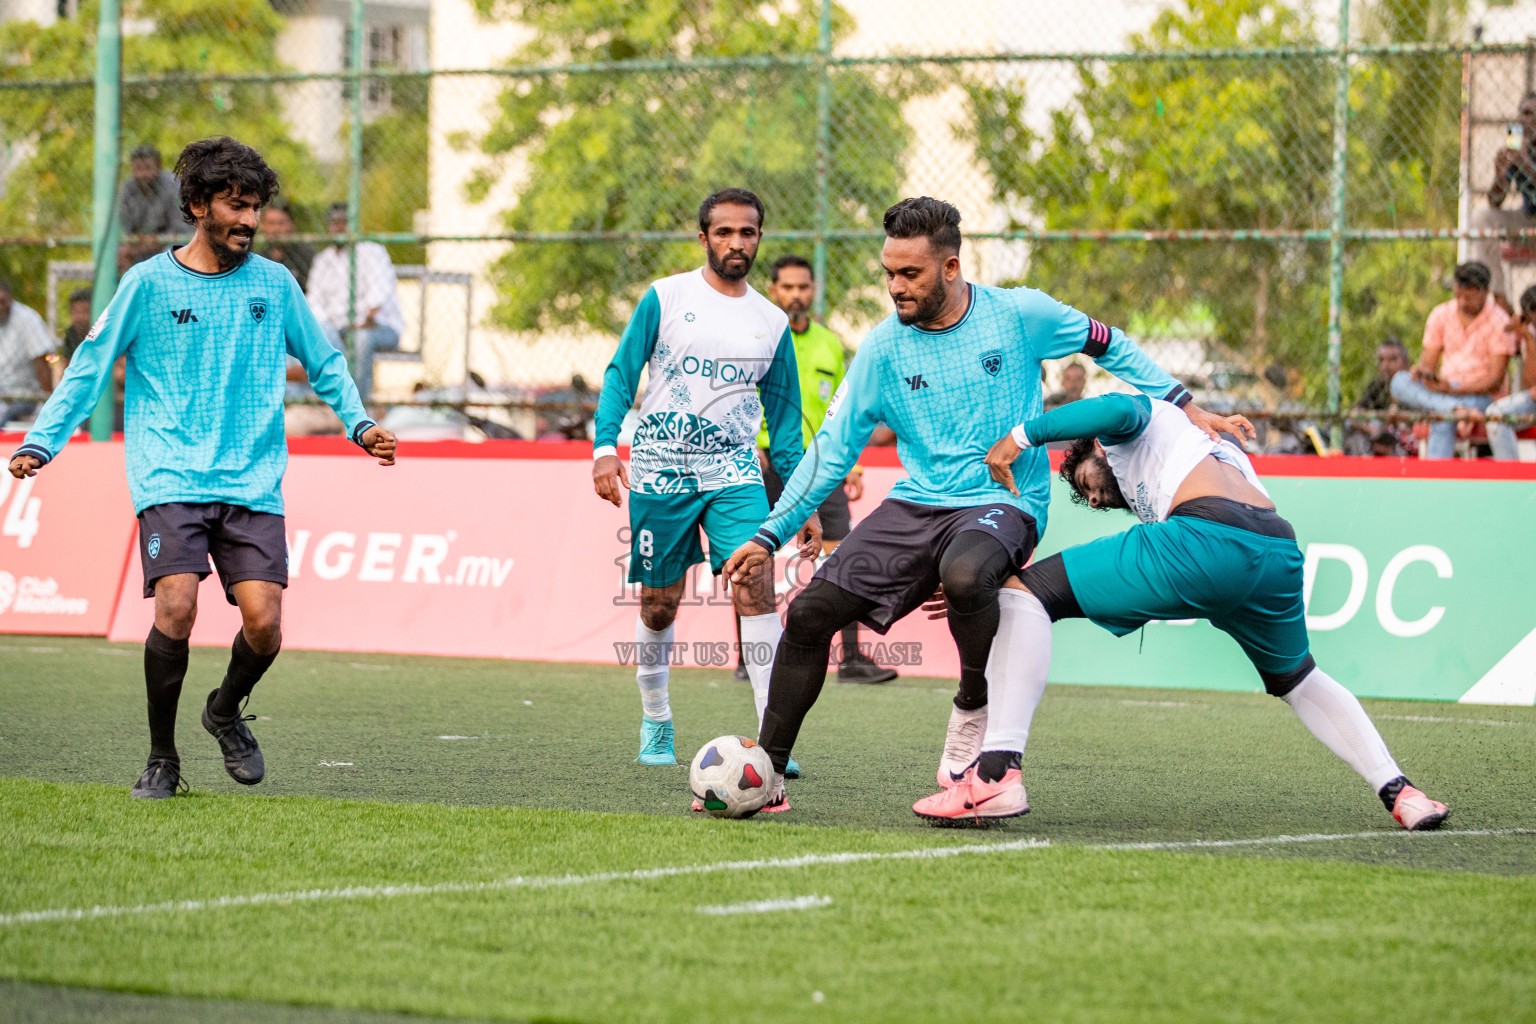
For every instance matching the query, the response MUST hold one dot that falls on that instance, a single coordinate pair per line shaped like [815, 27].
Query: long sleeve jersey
[1151, 446]
[207, 361]
[719, 365]
[950, 394]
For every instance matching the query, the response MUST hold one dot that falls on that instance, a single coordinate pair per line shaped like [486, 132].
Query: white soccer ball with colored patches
[731, 776]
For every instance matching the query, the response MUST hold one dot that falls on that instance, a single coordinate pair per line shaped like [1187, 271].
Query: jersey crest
[992, 362]
[258, 310]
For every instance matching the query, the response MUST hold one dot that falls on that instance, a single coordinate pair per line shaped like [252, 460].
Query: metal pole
[823, 155]
[354, 180]
[1336, 225]
[109, 73]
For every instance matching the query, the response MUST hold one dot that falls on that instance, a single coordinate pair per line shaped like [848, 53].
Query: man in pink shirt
[1466, 351]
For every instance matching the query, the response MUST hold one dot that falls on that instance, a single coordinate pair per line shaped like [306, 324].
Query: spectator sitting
[79, 323]
[1074, 379]
[277, 228]
[24, 350]
[1466, 350]
[1514, 169]
[1502, 436]
[1375, 437]
[377, 323]
[148, 204]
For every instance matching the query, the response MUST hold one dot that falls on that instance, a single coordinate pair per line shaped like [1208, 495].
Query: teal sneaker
[792, 770]
[656, 742]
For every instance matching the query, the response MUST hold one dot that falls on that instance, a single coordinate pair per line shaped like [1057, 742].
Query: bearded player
[721, 361]
[206, 329]
[948, 372]
[1210, 545]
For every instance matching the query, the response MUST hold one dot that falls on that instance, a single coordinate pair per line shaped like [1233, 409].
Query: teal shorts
[664, 530]
[1247, 584]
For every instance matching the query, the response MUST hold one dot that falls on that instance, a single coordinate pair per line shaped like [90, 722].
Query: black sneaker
[857, 668]
[242, 757]
[741, 673]
[160, 781]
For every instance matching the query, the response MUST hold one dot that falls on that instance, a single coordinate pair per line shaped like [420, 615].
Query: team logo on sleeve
[992, 362]
[258, 310]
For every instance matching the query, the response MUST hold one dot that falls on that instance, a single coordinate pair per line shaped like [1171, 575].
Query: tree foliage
[1184, 144]
[638, 150]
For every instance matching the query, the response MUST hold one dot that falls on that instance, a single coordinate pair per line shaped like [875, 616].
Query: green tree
[48, 193]
[637, 151]
[1181, 144]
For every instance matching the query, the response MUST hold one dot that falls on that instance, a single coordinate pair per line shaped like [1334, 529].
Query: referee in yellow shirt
[821, 359]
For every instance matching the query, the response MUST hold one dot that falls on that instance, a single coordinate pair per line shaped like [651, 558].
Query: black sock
[165, 666]
[973, 633]
[246, 668]
[850, 637]
[798, 674]
[994, 764]
[1389, 792]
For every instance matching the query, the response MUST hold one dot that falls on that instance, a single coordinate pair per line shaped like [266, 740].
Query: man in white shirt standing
[377, 322]
[25, 345]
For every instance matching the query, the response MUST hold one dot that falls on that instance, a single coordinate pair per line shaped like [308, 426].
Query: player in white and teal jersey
[1209, 545]
[955, 366]
[206, 329]
[720, 359]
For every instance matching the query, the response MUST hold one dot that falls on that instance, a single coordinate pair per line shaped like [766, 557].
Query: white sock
[1334, 716]
[756, 632]
[653, 662]
[1017, 666]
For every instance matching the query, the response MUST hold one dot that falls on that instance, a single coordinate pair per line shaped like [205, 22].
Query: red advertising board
[64, 536]
[490, 557]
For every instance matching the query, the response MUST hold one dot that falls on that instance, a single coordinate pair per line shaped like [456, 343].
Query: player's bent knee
[1278, 684]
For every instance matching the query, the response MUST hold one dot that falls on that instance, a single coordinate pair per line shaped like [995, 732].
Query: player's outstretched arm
[379, 443]
[1114, 419]
[325, 366]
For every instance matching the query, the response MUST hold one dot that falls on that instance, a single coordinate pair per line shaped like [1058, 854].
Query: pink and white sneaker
[962, 744]
[972, 799]
[1417, 812]
[779, 801]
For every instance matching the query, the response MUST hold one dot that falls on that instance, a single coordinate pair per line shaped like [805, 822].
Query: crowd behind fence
[1261, 191]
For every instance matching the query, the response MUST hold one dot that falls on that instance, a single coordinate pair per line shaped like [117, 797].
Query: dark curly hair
[211, 166]
[1080, 452]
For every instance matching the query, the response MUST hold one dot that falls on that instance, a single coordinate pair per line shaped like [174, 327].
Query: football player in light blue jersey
[206, 329]
[957, 365]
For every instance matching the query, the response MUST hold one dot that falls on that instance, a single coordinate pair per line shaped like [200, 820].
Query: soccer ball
[731, 776]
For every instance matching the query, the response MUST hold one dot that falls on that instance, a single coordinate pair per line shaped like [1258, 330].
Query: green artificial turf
[1383, 927]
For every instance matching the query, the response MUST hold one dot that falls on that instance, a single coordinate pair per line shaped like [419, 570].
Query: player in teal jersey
[207, 329]
[957, 365]
[1210, 545]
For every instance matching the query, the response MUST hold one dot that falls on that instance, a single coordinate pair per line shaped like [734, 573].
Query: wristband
[1020, 438]
[599, 451]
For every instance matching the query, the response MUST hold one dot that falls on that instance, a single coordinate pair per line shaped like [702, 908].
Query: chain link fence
[1261, 191]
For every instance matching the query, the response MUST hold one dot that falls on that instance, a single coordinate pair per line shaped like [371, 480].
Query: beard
[1113, 496]
[226, 255]
[928, 308]
[728, 270]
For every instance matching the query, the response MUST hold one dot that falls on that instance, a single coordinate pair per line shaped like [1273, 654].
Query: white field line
[1438, 718]
[767, 906]
[361, 892]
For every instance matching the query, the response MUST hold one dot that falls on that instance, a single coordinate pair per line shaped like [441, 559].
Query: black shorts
[836, 519]
[892, 556]
[180, 536]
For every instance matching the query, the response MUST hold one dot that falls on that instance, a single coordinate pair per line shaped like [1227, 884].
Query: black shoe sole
[885, 675]
[973, 822]
[1432, 823]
